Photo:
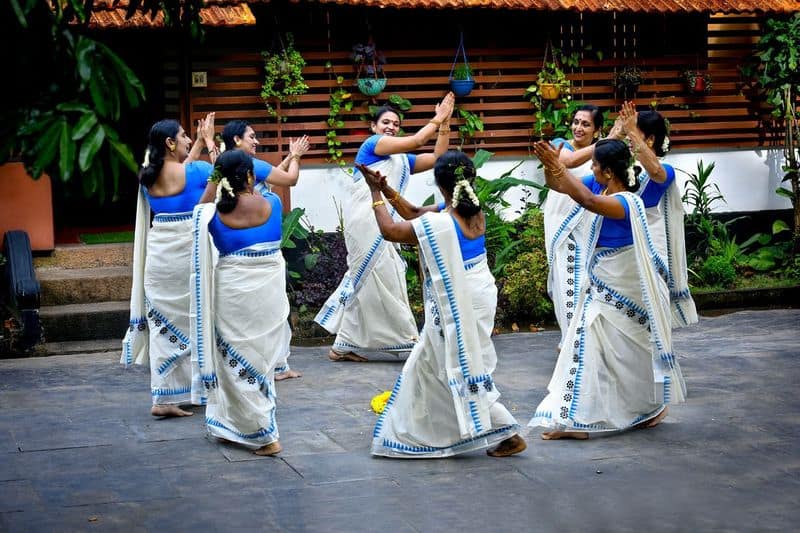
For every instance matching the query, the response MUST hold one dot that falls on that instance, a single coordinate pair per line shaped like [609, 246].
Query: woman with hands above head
[172, 180]
[239, 135]
[615, 369]
[445, 401]
[240, 308]
[375, 283]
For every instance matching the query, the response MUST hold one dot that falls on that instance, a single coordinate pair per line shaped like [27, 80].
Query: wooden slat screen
[725, 118]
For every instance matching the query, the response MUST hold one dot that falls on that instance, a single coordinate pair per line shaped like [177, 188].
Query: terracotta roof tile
[641, 6]
[109, 14]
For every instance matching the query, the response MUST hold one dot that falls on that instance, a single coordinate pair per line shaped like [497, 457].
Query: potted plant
[628, 78]
[461, 80]
[283, 75]
[368, 63]
[697, 82]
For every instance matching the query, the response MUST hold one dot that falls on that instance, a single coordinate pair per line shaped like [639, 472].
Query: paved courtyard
[79, 450]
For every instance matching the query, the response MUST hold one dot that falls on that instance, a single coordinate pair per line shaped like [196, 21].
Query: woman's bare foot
[555, 435]
[349, 356]
[510, 446]
[653, 422]
[169, 410]
[273, 448]
[280, 376]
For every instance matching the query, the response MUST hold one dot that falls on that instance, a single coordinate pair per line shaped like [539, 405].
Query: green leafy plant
[472, 124]
[64, 116]
[628, 78]
[553, 114]
[462, 71]
[340, 101]
[283, 76]
[500, 234]
[777, 73]
[697, 82]
[717, 270]
[524, 280]
[554, 121]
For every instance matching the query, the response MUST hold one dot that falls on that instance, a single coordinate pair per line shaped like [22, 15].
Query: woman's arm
[288, 171]
[388, 145]
[404, 208]
[426, 161]
[205, 139]
[642, 151]
[561, 180]
[572, 159]
[391, 230]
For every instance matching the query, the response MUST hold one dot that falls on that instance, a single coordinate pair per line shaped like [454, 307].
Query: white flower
[665, 144]
[463, 185]
[631, 177]
[223, 184]
[221, 146]
[146, 161]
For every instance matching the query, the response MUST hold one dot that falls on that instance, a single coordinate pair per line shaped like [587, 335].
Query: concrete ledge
[780, 297]
[62, 286]
[78, 322]
[88, 256]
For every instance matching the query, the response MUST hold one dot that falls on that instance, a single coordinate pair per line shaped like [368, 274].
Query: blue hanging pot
[462, 87]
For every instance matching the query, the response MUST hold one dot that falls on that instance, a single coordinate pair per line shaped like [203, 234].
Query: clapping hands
[375, 180]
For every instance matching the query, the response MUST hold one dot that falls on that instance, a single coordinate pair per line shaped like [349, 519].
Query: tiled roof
[640, 6]
[109, 14]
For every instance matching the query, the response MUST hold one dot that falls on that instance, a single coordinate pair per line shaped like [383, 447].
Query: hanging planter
[371, 86]
[368, 64]
[697, 82]
[461, 80]
[628, 78]
[552, 80]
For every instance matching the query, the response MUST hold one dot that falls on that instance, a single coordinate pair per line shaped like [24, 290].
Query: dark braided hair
[235, 166]
[234, 128]
[159, 133]
[652, 123]
[452, 166]
[615, 156]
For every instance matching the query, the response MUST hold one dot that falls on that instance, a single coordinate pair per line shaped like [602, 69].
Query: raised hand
[444, 109]
[299, 146]
[627, 116]
[375, 180]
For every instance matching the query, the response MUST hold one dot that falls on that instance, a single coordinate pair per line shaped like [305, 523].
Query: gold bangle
[377, 203]
[444, 132]
[435, 122]
[296, 158]
[396, 196]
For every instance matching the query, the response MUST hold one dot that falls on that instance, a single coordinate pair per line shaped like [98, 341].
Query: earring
[238, 143]
[650, 143]
[172, 148]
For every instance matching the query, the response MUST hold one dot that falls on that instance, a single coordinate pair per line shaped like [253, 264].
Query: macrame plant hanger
[463, 86]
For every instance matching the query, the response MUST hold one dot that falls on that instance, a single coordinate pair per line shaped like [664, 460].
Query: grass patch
[753, 281]
[108, 237]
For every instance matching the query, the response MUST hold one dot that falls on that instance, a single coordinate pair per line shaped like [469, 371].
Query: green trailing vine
[339, 102]
[472, 124]
[283, 76]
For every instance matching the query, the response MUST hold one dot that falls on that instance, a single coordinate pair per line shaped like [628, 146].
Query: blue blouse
[366, 154]
[614, 232]
[228, 240]
[653, 191]
[470, 248]
[559, 141]
[261, 170]
[197, 173]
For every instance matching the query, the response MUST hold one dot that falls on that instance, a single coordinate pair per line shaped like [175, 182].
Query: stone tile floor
[79, 450]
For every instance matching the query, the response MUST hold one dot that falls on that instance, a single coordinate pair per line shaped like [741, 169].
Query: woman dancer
[445, 401]
[577, 155]
[239, 135]
[615, 369]
[240, 306]
[172, 182]
[375, 283]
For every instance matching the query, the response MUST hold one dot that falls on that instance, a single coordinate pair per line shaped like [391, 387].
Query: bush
[718, 270]
[525, 286]
[524, 278]
[321, 280]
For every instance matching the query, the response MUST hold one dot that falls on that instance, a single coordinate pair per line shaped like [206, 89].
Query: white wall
[746, 178]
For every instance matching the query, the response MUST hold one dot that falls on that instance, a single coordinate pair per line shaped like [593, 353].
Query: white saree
[240, 328]
[375, 282]
[567, 256]
[616, 367]
[158, 331]
[445, 401]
